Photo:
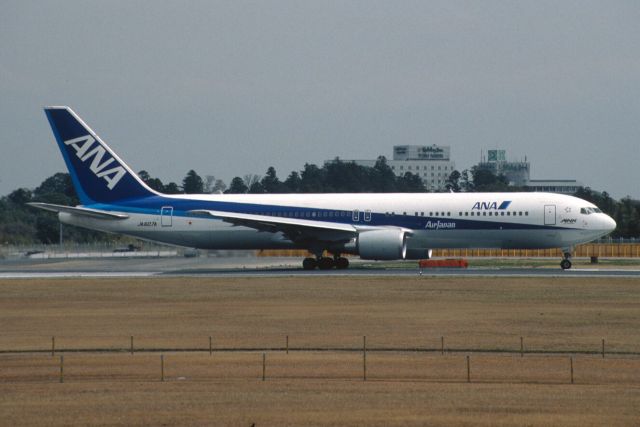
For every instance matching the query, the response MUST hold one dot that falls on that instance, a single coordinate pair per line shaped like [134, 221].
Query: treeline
[21, 224]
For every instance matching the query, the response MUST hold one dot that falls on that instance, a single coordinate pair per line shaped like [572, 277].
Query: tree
[218, 187]
[293, 183]
[312, 179]
[270, 182]
[172, 188]
[192, 183]
[256, 188]
[20, 197]
[60, 184]
[237, 186]
[250, 179]
[466, 182]
[382, 177]
[153, 183]
[410, 183]
[485, 180]
[453, 182]
[209, 180]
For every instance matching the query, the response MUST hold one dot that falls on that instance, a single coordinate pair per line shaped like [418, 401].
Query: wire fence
[599, 364]
[304, 365]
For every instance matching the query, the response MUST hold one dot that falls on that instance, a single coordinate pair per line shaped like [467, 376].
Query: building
[432, 163]
[517, 174]
[563, 186]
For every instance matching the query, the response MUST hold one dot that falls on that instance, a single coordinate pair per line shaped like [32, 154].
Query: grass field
[321, 387]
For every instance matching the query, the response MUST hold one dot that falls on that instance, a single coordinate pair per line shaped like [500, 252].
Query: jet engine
[386, 244]
[418, 253]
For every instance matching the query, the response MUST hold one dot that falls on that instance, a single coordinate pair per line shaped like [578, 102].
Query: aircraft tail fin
[98, 174]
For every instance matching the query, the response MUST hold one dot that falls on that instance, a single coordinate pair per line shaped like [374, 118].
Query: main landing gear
[325, 263]
[565, 264]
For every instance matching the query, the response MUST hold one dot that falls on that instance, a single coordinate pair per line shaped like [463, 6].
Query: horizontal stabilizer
[93, 213]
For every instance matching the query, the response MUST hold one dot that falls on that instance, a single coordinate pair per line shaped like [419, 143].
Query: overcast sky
[231, 88]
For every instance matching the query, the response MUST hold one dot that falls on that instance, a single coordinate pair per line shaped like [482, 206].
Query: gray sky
[230, 88]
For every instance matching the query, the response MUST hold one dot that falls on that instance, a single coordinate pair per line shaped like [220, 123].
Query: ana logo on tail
[86, 149]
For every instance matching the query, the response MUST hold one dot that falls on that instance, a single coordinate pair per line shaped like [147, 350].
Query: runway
[272, 267]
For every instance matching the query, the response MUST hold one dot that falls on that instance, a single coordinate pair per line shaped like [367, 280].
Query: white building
[563, 186]
[431, 163]
[517, 173]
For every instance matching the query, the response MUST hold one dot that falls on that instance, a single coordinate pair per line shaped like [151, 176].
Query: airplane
[374, 226]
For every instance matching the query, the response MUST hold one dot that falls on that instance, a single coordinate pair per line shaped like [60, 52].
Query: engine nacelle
[382, 244]
[419, 253]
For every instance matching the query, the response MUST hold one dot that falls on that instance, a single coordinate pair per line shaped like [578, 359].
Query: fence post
[53, 346]
[364, 358]
[287, 344]
[210, 347]
[162, 367]
[442, 344]
[264, 365]
[521, 347]
[132, 345]
[468, 369]
[571, 365]
[61, 368]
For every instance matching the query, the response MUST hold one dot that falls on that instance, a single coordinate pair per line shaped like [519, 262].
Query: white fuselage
[436, 220]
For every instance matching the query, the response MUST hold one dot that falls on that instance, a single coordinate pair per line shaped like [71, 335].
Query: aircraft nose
[609, 223]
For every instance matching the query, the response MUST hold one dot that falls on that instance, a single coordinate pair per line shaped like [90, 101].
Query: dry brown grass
[307, 388]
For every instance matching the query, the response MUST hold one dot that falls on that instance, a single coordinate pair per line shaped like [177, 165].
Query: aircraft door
[549, 214]
[166, 216]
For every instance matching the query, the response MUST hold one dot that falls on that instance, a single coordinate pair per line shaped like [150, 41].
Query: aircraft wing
[295, 228]
[93, 213]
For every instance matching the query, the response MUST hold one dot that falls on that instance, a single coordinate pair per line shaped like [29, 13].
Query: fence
[438, 364]
[605, 250]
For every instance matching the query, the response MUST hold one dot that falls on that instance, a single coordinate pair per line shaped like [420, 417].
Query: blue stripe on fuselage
[181, 207]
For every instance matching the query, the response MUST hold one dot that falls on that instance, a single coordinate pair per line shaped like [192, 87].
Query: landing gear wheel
[309, 263]
[342, 263]
[325, 263]
[565, 264]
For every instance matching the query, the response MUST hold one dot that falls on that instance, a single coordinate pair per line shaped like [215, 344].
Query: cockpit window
[588, 211]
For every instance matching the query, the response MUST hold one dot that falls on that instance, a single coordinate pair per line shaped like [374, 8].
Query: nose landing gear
[565, 264]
